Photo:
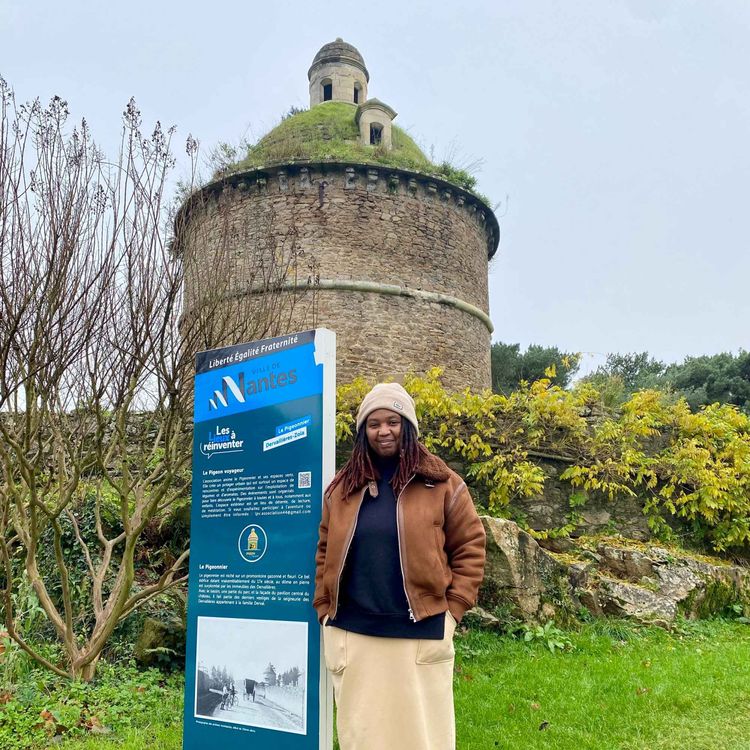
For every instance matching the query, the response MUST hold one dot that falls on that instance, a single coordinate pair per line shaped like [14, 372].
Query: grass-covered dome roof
[329, 132]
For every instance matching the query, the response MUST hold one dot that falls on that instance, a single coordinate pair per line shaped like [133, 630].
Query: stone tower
[398, 246]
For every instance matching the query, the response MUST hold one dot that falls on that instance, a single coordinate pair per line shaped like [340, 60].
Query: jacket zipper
[400, 552]
[346, 551]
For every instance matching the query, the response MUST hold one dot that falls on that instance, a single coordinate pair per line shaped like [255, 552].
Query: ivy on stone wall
[671, 460]
[694, 465]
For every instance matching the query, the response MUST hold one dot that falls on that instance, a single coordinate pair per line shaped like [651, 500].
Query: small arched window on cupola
[327, 85]
[374, 120]
[357, 92]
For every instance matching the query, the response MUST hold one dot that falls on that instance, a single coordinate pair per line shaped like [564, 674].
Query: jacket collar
[430, 467]
[433, 468]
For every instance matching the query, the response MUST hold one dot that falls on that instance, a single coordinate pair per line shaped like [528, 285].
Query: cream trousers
[392, 693]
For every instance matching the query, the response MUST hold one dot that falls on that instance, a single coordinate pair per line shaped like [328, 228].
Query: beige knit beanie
[390, 396]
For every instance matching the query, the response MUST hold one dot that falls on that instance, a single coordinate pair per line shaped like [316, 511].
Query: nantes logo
[239, 389]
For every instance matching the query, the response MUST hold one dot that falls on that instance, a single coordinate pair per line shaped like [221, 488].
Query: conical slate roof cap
[339, 51]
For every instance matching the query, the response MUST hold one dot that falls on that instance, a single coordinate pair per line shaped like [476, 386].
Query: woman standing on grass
[400, 558]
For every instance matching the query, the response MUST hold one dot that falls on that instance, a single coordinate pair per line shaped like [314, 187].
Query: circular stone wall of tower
[397, 260]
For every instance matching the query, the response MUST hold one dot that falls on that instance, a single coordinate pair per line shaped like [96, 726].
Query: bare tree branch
[98, 332]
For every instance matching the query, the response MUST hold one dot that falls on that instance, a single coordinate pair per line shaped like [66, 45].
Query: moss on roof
[328, 132]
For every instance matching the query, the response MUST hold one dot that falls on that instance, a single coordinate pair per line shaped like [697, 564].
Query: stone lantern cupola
[338, 74]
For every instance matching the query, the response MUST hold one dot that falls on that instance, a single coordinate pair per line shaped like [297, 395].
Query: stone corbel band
[372, 287]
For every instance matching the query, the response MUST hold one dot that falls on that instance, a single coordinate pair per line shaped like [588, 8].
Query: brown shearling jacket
[441, 543]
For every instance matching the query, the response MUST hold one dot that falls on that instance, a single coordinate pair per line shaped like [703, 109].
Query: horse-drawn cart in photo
[253, 688]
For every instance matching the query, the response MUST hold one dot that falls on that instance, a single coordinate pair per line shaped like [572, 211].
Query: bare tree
[95, 366]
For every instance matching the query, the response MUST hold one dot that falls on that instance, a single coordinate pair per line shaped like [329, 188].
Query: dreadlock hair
[359, 469]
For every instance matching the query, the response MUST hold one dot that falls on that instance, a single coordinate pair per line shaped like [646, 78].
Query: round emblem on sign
[252, 543]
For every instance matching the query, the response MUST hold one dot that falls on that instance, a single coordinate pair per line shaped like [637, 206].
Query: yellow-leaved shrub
[654, 449]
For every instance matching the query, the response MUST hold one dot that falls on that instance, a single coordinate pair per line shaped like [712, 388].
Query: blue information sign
[263, 450]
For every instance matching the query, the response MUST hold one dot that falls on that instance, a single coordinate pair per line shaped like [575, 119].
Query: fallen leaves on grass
[95, 726]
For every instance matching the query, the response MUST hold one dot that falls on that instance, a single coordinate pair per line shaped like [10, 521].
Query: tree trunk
[87, 672]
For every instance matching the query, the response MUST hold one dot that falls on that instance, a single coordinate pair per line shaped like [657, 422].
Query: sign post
[263, 451]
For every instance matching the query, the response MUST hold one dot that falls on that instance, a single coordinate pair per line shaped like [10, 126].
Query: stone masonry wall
[360, 224]
[343, 76]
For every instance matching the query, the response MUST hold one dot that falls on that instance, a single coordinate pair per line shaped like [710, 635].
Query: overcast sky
[618, 129]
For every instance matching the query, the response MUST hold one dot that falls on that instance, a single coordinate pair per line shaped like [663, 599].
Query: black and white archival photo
[252, 672]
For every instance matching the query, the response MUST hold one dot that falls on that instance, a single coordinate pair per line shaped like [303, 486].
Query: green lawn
[167, 737]
[621, 687]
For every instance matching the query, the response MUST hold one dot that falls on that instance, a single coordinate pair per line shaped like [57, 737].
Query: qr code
[304, 479]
